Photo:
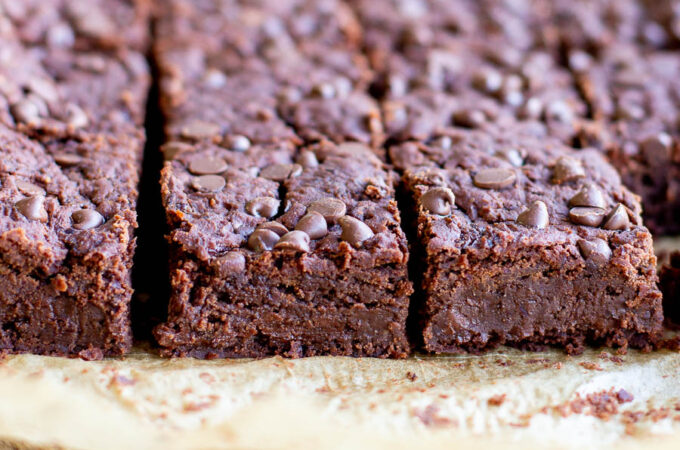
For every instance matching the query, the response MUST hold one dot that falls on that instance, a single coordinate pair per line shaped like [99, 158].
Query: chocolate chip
[589, 195]
[443, 142]
[536, 216]
[294, 240]
[469, 118]
[617, 219]
[579, 61]
[26, 111]
[67, 159]
[330, 208]
[60, 35]
[560, 111]
[33, 208]
[596, 251]
[237, 143]
[214, 78]
[307, 159]
[207, 165]
[233, 262]
[289, 95]
[44, 89]
[532, 109]
[567, 169]
[281, 172]
[199, 129]
[263, 207]
[439, 201]
[656, 149]
[586, 215]
[172, 148]
[209, 183]
[323, 90]
[85, 219]
[487, 80]
[494, 178]
[354, 231]
[262, 240]
[511, 155]
[313, 224]
[29, 188]
[276, 227]
[75, 116]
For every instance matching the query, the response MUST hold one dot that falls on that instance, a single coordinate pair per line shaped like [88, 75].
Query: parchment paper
[505, 398]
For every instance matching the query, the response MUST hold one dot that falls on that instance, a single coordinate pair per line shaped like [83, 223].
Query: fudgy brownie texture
[527, 242]
[284, 231]
[72, 94]
[669, 280]
[635, 98]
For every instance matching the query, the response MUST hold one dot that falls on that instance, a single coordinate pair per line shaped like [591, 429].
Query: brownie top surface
[220, 200]
[511, 186]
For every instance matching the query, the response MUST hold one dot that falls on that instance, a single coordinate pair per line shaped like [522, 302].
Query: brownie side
[71, 113]
[247, 284]
[669, 281]
[520, 247]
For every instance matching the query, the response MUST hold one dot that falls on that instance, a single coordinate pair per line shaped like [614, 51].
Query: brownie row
[292, 127]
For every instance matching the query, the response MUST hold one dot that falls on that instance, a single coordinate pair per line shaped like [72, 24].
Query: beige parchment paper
[506, 398]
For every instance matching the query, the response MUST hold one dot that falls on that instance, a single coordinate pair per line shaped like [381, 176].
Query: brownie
[635, 97]
[669, 281]
[72, 100]
[526, 242]
[284, 234]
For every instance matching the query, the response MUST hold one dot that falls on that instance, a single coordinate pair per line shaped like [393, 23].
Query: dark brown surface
[263, 125]
[72, 96]
[502, 269]
[669, 280]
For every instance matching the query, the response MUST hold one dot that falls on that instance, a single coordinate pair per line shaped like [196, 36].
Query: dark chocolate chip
[208, 183]
[657, 149]
[281, 172]
[29, 188]
[173, 148]
[237, 143]
[199, 129]
[33, 208]
[511, 155]
[536, 216]
[532, 108]
[262, 240]
[76, 117]
[233, 262]
[294, 240]
[26, 111]
[439, 201]
[567, 169]
[354, 231]
[207, 165]
[589, 195]
[596, 251]
[443, 142]
[323, 90]
[67, 159]
[276, 227]
[263, 207]
[313, 224]
[494, 178]
[617, 219]
[330, 208]
[307, 159]
[471, 118]
[586, 215]
[85, 219]
[487, 80]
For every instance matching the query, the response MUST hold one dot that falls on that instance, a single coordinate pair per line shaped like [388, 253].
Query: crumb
[411, 376]
[537, 360]
[431, 418]
[207, 378]
[496, 400]
[589, 365]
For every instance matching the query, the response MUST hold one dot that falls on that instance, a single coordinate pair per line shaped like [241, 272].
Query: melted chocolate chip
[439, 201]
[294, 240]
[237, 143]
[589, 195]
[617, 219]
[281, 172]
[276, 227]
[209, 183]
[207, 165]
[200, 130]
[536, 216]
[262, 240]
[307, 159]
[330, 208]
[263, 207]
[596, 251]
[567, 169]
[494, 178]
[354, 231]
[67, 159]
[86, 219]
[33, 208]
[586, 215]
[231, 263]
[29, 188]
[313, 224]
